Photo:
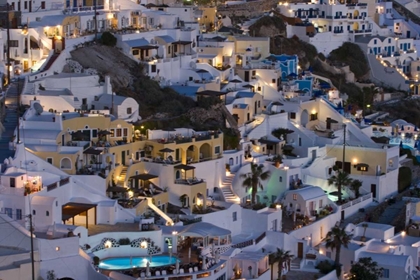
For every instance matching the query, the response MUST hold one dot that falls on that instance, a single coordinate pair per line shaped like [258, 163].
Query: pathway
[391, 212]
[10, 122]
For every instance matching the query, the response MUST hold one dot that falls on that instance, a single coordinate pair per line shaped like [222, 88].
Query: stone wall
[248, 9]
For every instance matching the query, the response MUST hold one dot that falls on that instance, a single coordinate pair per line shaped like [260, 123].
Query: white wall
[224, 219]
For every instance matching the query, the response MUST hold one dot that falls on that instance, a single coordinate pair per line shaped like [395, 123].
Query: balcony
[189, 181]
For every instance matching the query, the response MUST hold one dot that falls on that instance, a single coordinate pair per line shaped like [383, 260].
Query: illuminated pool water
[128, 263]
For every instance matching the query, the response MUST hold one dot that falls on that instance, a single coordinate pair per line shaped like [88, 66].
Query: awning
[182, 42]
[203, 229]
[73, 209]
[211, 93]
[144, 177]
[92, 151]
[184, 167]
[146, 47]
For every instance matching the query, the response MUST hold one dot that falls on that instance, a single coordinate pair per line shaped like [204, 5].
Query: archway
[65, 163]
[304, 118]
[205, 152]
[191, 154]
[185, 201]
[355, 14]
[178, 174]
[355, 26]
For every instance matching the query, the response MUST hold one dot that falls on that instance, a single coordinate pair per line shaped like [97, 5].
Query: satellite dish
[38, 108]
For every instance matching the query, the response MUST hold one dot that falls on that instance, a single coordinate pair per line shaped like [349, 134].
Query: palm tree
[279, 257]
[254, 178]
[336, 238]
[355, 186]
[341, 179]
[365, 226]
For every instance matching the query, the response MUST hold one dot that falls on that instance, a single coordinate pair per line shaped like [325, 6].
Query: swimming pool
[127, 262]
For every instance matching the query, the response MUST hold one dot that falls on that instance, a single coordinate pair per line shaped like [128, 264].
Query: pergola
[181, 43]
[210, 233]
[72, 209]
[142, 177]
[185, 168]
[212, 93]
[144, 48]
[94, 153]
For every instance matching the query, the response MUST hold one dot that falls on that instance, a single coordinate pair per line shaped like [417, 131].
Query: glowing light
[108, 244]
[143, 244]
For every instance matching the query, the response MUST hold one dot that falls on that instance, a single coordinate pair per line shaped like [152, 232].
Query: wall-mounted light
[108, 244]
[57, 248]
[143, 244]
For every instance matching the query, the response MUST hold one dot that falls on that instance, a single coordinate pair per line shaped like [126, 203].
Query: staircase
[121, 177]
[227, 191]
[295, 264]
[50, 62]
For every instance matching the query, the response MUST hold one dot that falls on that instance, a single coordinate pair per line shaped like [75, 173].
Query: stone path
[391, 212]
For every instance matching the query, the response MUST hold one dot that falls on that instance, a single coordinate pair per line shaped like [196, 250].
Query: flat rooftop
[6, 251]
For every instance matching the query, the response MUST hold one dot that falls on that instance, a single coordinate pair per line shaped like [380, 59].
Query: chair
[190, 270]
[163, 272]
[157, 273]
[195, 269]
[181, 271]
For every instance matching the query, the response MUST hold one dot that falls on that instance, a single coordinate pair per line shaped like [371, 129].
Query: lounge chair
[157, 273]
[163, 272]
[195, 269]
[181, 271]
[190, 270]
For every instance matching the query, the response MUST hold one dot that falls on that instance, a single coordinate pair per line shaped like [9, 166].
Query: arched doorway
[65, 163]
[205, 151]
[185, 201]
[178, 174]
[304, 118]
[191, 154]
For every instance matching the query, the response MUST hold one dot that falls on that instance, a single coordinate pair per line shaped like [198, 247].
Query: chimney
[108, 87]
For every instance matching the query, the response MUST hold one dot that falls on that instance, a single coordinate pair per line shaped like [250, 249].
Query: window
[9, 212]
[314, 117]
[14, 43]
[153, 68]
[94, 133]
[13, 182]
[129, 111]
[19, 211]
[125, 132]
[259, 104]
[217, 150]
[273, 81]
[320, 203]
[169, 49]
[385, 273]
[280, 179]
[363, 168]
[42, 4]
[292, 115]
[294, 196]
[47, 213]
[34, 212]
[50, 160]
[118, 132]
[136, 52]
[26, 5]
[389, 40]
[234, 216]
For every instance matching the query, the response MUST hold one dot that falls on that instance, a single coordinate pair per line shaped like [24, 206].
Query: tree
[253, 179]
[365, 226]
[51, 275]
[336, 238]
[365, 269]
[341, 179]
[355, 186]
[108, 39]
[279, 257]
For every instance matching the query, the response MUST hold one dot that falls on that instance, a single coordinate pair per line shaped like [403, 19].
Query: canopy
[182, 42]
[144, 177]
[203, 229]
[92, 151]
[166, 150]
[72, 209]
[184, 167]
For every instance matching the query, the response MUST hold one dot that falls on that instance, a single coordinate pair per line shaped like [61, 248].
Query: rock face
[268, 26]
[106, 60]
[248, 9]
[201, 115]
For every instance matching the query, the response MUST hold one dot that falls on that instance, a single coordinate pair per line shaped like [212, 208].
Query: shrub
[124, 241]
[352, 55]
[325, 267]
[321, 56]
[404, 178]
[108, 39]
[96, 260]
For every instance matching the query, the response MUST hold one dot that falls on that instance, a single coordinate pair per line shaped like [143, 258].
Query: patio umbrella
[335, 193]
[177, 266]
[147, 269]
[201, 71]
[168, 129]
[204, 267]
[235, 81]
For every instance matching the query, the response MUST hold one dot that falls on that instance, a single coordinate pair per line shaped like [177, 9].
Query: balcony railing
[192, 181]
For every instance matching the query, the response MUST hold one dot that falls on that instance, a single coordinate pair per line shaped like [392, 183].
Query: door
[313, 155]
[30, 6]
[342, 214]
[300, 250]
[255, 108]
[408, 33]
[136, 183]
[246, 76]
[373, 190]
[123, 157]
[62, 140]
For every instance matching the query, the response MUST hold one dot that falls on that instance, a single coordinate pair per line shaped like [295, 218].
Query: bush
[351, 54]
[404, 178]
[325, 267]
[96, 260]
[321, 56]
[124, 241]
[108, 39]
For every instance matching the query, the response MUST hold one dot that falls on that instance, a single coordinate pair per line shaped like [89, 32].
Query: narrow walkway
[391, 212]
[10, 122]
